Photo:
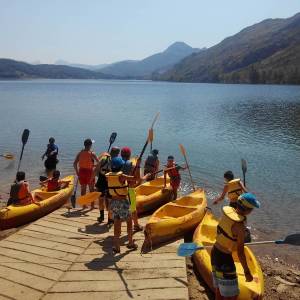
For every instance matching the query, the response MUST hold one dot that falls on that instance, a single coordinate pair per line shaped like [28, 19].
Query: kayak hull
[205, 234]
[152, 194]
[176, 218]
[17, 215]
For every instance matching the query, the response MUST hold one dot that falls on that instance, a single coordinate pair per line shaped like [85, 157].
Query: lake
[218, 125]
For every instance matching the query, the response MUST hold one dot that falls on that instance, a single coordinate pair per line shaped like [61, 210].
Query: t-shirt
[51, 148]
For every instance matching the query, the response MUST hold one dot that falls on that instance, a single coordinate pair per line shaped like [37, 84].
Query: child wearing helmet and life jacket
[20, 192]
[128, 169]
[53, 183]
[84, 166]
[119, 202]
[172, 169]
[232, 187]
[230, 237]
[152, 165]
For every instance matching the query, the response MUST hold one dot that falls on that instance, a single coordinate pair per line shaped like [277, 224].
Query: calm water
[217, 124]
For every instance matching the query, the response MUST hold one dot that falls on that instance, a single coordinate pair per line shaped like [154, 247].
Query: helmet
[117, 163]
[125, 152]
[248, 200]
[154, 152]
[88, 142]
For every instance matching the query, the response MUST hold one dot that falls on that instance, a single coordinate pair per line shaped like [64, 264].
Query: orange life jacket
[20, 193]
[53, 185]
[174, 173]
[86, 160]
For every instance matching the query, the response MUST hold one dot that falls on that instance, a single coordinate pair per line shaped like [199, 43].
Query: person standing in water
[51, 153]
[151, 164]
[230, 237]
[84, 167]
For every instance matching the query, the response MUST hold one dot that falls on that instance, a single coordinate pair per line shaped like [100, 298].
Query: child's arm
[245, 190]
[222, 196]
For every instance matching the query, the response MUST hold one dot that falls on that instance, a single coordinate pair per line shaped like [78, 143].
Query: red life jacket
[174, 174]
[53, 185]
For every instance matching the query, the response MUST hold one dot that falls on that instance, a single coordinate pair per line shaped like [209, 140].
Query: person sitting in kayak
[102, 168]
[85, 160]
[119, 202]
[54, 184]
[172, 169]
[20, 192]
[151, 164]
[230, 237]
[51, 154]
[128, 169]
[232, 187]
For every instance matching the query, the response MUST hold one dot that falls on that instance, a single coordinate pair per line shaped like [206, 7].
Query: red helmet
[126, 152]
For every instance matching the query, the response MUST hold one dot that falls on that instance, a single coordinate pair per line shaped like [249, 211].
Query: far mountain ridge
[266, 52]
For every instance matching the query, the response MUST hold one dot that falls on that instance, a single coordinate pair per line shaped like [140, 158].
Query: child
[172, 169]
[233, 188]
[20, 191]
[54, 184]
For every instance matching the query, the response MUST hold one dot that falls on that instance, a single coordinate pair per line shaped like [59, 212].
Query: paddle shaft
[25, 136]
[19, 164]
[187, 165]
[244, 169]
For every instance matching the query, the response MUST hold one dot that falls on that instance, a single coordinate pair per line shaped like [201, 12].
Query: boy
[172, 169]
[51, 154]
[233, 188]
[230, 237]
[54, 184]
[85, 160]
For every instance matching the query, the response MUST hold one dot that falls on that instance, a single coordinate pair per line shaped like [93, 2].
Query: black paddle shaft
[25, 137]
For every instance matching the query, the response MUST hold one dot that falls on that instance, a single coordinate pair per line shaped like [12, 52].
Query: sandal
[137, 228]
[115, 250]
[132, 246]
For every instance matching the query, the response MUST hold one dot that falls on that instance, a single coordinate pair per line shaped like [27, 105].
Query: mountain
[267, 52]
[158, 63]
[11, 69]
[82, 66]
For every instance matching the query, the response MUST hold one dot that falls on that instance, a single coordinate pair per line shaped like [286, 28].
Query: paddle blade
[150, 135]
[155, 119]
[8, 156]
[25, 136]
[182, 150]
[112, 137]
[292, 239]
[43, 178]
[244, 165]
[188, 249]
[88, 198]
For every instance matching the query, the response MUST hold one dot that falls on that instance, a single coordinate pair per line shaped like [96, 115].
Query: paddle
[111, 140]
[244, 169]
[88, 198]
[73, 197]
[184, 155]
[188, 249]
[7, 156]
[25, 137]
[43, 178]
[155, 119]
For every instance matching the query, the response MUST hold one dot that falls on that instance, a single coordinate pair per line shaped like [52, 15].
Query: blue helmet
[117, 163]
[248, 200]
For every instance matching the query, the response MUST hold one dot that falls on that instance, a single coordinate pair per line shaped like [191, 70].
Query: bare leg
[83, 192]
[117, 233]
[135, 219]
[129, 231]
[91, 188]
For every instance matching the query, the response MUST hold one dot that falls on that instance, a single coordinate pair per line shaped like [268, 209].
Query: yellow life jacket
[225, 238]
[234, 189]
[115, 187]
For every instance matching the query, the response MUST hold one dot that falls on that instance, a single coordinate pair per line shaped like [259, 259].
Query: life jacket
[51, 148]
[174, 174]
[127, 167]
[150, 164]
[115, 187]
[225, 238]
[53, 185]
[86, 160]
[234, 189]
[19, 193]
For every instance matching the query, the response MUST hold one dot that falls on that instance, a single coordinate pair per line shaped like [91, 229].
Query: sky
[106, 31]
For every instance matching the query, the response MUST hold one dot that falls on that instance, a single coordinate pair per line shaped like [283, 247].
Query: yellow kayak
[205, 234]
[176, 218]
[152, 194]
[16, 215]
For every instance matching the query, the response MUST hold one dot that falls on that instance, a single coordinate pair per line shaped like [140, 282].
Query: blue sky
[104, 31]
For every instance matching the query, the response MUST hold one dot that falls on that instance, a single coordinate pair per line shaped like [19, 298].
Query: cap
[248, 200]
[125, 151]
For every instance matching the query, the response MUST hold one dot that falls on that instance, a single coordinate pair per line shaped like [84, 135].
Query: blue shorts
[224, 273]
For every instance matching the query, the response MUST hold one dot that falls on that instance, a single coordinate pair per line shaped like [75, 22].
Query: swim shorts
[120, 209]
[85, 176]
[224, 273]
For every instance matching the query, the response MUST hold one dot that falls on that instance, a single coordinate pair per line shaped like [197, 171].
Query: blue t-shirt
[51, 148]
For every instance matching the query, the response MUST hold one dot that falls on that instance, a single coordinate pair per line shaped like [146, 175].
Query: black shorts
[101, 184]
[224, 273]
[50, 163]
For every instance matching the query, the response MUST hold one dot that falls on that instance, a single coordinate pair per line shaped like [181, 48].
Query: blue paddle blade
[188, 249]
